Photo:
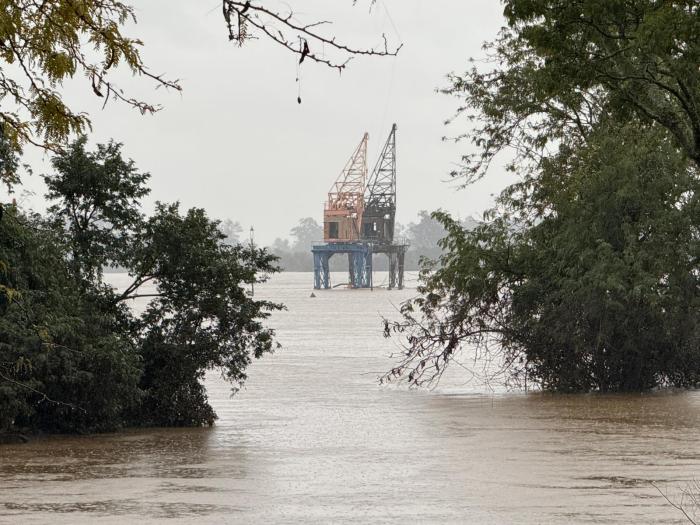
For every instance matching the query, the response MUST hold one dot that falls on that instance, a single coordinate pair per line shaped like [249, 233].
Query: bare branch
[675, 505]
[300, 39]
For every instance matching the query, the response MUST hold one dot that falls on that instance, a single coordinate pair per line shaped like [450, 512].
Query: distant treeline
[422, 237]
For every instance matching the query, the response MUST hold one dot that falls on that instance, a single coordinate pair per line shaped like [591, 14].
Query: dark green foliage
[64, 365]
[73, 356]
[9, 163]
[561, 64]
[587, 275]
[96, 197]
[201, 318]
[611, 299]
[586, 278]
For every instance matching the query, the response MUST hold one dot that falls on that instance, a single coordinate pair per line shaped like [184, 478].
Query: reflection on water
[313, 438]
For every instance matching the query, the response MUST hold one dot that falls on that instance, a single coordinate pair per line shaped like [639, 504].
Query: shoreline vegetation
[583, 277]
[585, 274]
[74, 358]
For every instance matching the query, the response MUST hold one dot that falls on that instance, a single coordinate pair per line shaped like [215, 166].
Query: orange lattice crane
[342, 216]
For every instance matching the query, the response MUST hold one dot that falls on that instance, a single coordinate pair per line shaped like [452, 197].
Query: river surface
[313, 438]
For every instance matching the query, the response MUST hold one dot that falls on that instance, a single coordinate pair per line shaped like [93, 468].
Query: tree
[562, 65]
[425, 235]
[247, 21]
[280, 245]
[687, 502]
[52, 41]
[49, 42]
[66, 362]
[200, 317]
[73, 356]
[586, 278]
[232, 231]
[424, 239]
[9, 162]
[97, 199]
[305, 234]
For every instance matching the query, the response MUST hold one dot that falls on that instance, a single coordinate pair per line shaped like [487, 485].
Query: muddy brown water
[314, 439]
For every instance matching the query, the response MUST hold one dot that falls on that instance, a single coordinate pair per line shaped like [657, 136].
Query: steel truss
[359, 263]
[363, 215]
[359, 267]
[345, 205]
[380, 196]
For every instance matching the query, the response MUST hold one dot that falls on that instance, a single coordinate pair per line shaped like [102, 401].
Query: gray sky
[236, 142]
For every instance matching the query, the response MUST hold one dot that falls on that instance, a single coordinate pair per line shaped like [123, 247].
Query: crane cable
[392, 76]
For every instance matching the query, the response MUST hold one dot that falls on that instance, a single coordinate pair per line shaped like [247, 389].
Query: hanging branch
[50, 42]
[245, 21]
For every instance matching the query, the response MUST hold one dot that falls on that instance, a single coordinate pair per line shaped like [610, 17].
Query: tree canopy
[73, 355]
[561, 65]
[586, 275]
[305, 234]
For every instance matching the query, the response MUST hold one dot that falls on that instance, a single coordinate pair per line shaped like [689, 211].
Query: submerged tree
[73, 355]
[200, 316]
[586, 278]
[66, 362]
[587, 275]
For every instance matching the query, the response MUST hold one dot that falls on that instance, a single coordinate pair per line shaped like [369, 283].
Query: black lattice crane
[379, 217]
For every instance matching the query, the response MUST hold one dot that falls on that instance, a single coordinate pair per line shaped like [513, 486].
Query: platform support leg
[317, 271]
[360, 268]
[393, 263]
[367, 268]
[322, 278]
[352, 277]
[325, 259]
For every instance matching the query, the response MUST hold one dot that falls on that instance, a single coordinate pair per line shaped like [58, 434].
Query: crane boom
[344, 208]
[380, 195]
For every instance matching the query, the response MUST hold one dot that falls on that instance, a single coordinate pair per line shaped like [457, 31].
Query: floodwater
[313, 438]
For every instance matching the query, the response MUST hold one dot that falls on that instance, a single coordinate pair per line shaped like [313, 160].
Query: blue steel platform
[359, 262]
[359, 259]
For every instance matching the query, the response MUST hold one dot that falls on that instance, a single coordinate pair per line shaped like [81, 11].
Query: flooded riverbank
[313, 438]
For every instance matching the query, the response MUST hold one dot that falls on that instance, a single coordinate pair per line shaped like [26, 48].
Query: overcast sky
[236, 142]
